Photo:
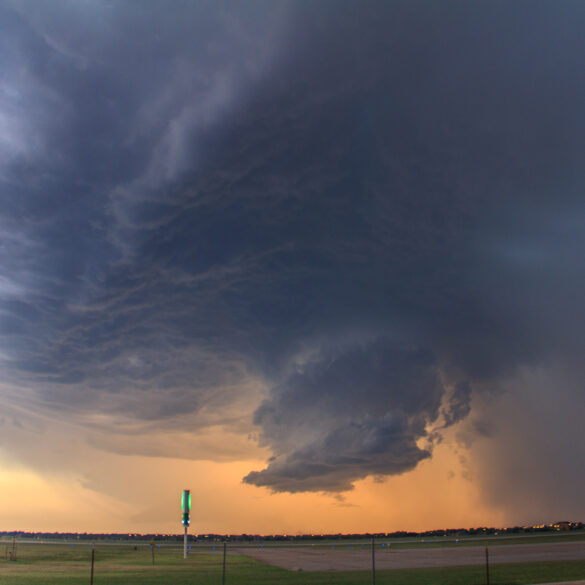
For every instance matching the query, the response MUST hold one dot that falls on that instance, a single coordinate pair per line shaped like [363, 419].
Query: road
[345, 559]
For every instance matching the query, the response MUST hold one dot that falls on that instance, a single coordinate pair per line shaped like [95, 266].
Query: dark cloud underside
[369, 210]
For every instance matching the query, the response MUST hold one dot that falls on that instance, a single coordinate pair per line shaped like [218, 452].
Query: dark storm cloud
[459, 405]
[370, 210]
[526, 452]
[117, 98]
[350, 413]
[463, 140]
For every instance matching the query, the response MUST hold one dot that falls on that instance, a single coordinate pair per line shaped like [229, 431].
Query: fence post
[373, 561]
[487, 566]
[92, 561]
[223, 571]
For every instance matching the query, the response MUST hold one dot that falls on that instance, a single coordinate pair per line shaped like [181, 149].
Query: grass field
[483, 540]
[53, 564]
[433, 541]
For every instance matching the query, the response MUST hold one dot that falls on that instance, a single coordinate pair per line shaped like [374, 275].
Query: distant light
[186, 506]
[186, 501]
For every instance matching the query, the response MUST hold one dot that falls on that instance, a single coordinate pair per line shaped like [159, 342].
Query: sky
[319, 262]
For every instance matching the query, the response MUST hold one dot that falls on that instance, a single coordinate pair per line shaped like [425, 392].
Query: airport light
[186, 508]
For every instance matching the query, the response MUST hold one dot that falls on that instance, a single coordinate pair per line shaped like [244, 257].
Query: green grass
[54, 564]
[407, 542]
[491, 540]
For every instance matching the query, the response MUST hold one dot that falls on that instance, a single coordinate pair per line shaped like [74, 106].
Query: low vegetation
[127, 564]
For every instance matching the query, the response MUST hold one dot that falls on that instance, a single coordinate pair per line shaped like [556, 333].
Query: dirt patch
[354, 559]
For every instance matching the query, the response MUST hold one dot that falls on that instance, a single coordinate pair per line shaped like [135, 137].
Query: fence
[378, 562]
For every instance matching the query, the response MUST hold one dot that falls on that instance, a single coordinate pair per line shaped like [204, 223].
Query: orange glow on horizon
[140, 494]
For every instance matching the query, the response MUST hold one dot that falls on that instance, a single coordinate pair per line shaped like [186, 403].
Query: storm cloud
[328, 224]
[351, 413]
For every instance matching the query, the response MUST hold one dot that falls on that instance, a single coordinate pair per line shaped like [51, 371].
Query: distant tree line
[448, 532]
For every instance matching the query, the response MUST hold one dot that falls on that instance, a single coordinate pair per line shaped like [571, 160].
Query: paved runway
[344, 559]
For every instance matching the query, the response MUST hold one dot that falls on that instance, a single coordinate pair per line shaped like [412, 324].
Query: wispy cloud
[356, 224]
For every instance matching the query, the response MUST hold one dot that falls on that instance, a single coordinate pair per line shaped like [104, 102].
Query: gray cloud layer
[352, 413]
[370, 213]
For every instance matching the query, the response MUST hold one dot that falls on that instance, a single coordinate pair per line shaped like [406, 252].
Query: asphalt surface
[346, 559]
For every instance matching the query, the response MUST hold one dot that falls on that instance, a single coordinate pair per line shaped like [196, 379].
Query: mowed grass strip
[492, 540]
[123, 565]
[402, 543]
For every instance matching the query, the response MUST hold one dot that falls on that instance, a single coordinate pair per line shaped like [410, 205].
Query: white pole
[185, 544]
